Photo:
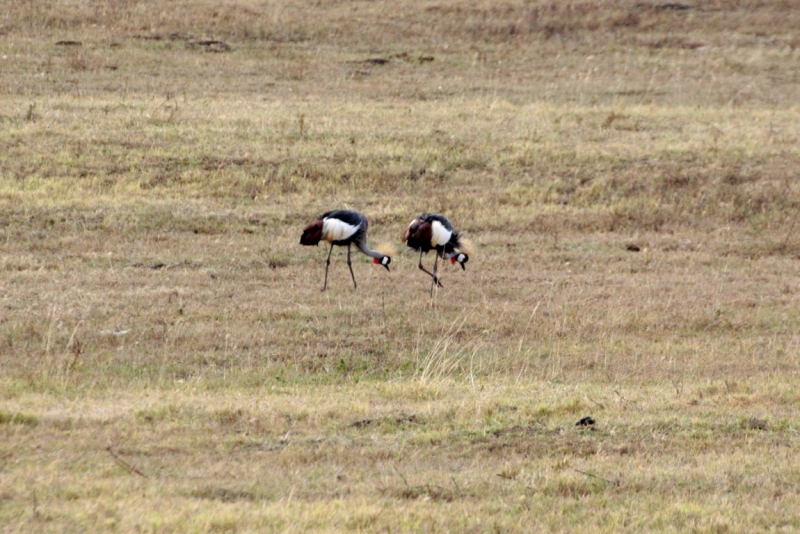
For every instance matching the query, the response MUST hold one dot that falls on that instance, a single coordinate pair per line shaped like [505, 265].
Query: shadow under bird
[431, 231]
[342, 228]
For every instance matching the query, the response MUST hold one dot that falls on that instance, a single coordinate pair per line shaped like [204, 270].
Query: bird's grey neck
[363, 247]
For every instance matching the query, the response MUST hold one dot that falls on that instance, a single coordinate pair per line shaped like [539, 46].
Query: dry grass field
[628, 174]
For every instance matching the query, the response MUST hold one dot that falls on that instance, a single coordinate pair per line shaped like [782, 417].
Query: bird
[343, 228]
[432, 231]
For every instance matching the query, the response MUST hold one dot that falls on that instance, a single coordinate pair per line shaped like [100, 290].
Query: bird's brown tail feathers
[312, 234]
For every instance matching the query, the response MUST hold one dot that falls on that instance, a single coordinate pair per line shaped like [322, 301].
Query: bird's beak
[387, 268]
[462, 267]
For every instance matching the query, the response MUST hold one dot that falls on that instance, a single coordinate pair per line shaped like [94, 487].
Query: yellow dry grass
[626, 172]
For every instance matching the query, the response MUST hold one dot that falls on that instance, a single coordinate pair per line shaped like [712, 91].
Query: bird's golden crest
[387, 249]
[465, 246]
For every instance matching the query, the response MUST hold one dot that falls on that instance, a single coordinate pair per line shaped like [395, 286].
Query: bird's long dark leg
[423, 269]
[435, 269]
[327, 264]
[351, 267]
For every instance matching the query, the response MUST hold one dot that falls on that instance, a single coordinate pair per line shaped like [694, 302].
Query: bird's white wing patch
[336, 230]
[441, 235]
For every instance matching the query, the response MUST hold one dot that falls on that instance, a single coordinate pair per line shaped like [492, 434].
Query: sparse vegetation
[627, 172]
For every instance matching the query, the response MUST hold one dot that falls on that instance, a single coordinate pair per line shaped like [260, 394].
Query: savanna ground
[169, 363]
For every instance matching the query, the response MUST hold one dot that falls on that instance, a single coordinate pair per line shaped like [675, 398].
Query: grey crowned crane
[343, 228]
[431, 231]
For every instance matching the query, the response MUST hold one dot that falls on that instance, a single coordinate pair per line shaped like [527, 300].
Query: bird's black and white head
[383, 256]
[461, 258]
[462, 251]
[385, 261]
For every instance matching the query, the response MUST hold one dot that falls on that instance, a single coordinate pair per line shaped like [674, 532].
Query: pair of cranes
[429, 231]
